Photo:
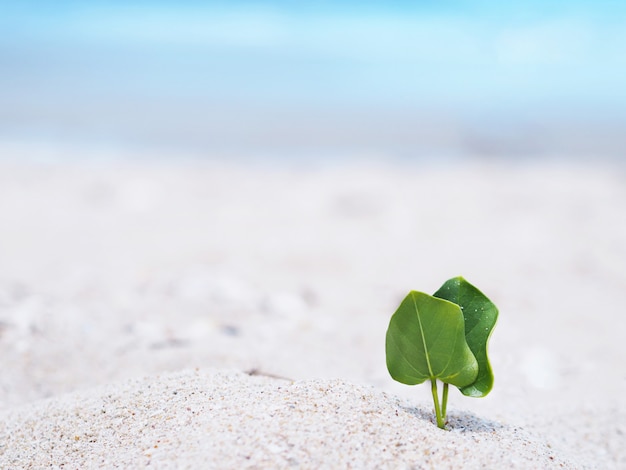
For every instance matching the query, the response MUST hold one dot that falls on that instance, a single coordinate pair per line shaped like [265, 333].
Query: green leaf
[480, 317]
[426, 340]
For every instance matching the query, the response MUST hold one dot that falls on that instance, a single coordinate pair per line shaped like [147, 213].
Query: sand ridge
[229, 419]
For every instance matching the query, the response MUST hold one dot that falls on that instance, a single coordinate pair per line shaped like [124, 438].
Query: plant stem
[444, 401]
[440, 422]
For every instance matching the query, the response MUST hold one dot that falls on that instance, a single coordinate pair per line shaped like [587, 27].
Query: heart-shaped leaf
[480, 317]
[426, 340]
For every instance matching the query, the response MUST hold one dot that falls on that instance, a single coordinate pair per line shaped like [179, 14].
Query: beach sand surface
[234, 315]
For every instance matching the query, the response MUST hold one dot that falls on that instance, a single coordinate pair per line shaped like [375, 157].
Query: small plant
[443, 337]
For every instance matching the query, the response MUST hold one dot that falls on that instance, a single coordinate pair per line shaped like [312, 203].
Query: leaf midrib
[419, 321]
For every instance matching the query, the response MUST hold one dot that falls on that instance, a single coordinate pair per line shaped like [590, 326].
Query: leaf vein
[404, 358]
[419, 321]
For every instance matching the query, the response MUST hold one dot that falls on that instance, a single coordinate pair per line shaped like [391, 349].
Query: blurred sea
[422, 79]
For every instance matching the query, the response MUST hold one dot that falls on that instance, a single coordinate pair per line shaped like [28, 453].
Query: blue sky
[457, 52]
[467, 57]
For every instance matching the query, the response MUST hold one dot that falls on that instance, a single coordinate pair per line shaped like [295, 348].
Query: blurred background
[313, 80]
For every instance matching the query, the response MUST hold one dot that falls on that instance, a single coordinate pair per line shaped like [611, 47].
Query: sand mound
[226, 419]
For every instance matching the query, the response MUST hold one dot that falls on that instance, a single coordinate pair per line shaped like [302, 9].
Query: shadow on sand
[458, 421]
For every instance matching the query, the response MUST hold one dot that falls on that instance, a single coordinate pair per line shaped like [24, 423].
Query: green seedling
[443, 338]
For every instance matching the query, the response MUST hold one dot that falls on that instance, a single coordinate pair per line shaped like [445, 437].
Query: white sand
[222, 420]
[115, 272]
